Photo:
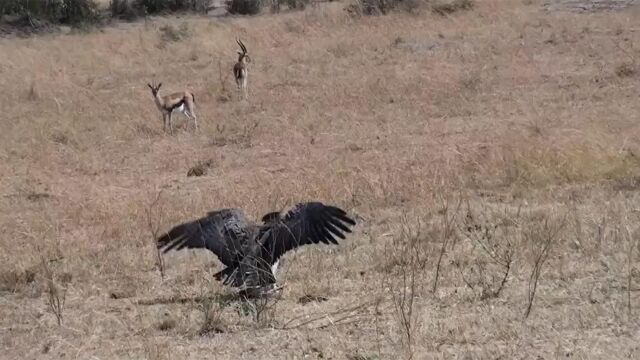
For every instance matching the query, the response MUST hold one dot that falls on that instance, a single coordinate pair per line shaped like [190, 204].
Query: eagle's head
[272, 218]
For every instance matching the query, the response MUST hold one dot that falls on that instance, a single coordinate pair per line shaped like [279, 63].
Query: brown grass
[521, 116]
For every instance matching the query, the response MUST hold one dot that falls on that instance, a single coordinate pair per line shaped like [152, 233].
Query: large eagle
[251, 252]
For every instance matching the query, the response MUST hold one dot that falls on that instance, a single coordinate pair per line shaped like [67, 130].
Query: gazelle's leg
[191, 115]
[239, 83]
[170, 125]
[244, 87]
[164, 122]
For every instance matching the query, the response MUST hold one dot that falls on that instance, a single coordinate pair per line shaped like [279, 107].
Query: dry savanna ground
[491, 158]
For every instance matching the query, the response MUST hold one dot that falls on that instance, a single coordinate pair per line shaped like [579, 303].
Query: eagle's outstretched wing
[306, 223]
[223, 232]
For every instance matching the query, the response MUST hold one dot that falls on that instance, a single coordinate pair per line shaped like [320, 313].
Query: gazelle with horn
[240, 71]
[183, 102]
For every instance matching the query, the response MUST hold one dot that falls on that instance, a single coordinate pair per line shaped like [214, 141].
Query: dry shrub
[625, 70]
[291, 4]
[14, 280]
[166, 324]
[200, 169]
[212, 311]
[262, 309]
[154, 350]
[485, 257]
[238, 135]
[382, 7]
[449, 7]
[56, 289]
[540, 236]
[407, 256]
[170, 33]
[369, 7]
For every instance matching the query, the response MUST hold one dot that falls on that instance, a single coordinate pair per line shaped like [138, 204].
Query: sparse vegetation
[200, 169]
[493, 175]
[246, 7]
[125, 9]
[166, 6]
[625, 70]
[56, 290]
[33, 12]
[171, 33]
[446, 7]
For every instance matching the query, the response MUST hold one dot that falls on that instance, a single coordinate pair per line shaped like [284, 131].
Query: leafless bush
[243, 135]
[261, 308]
[56, 290]
[212, 316]
[541, 236]
[493, 235]
[631, 248]
[409, 252]
[153, 211]
[447, 232]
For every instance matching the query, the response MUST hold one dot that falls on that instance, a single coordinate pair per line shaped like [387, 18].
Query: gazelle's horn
[244, 49]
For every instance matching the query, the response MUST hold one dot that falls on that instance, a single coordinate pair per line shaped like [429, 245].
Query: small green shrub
[125, 10]
[166, 6]
[382, 7]
[132, 9]
[245, 7]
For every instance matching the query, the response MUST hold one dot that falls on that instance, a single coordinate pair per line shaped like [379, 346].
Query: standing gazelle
[240, 71]
[183, 102]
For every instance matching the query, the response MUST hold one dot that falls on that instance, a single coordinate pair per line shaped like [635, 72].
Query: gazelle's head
[243, 56]
[154, 89]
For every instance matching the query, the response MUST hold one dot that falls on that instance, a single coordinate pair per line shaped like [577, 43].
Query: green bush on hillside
[56, 11]
[245, 7]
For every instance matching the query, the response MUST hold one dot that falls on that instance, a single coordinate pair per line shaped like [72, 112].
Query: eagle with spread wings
[251, 251]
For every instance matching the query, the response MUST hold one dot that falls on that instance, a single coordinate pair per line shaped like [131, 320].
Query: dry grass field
[504, 139]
